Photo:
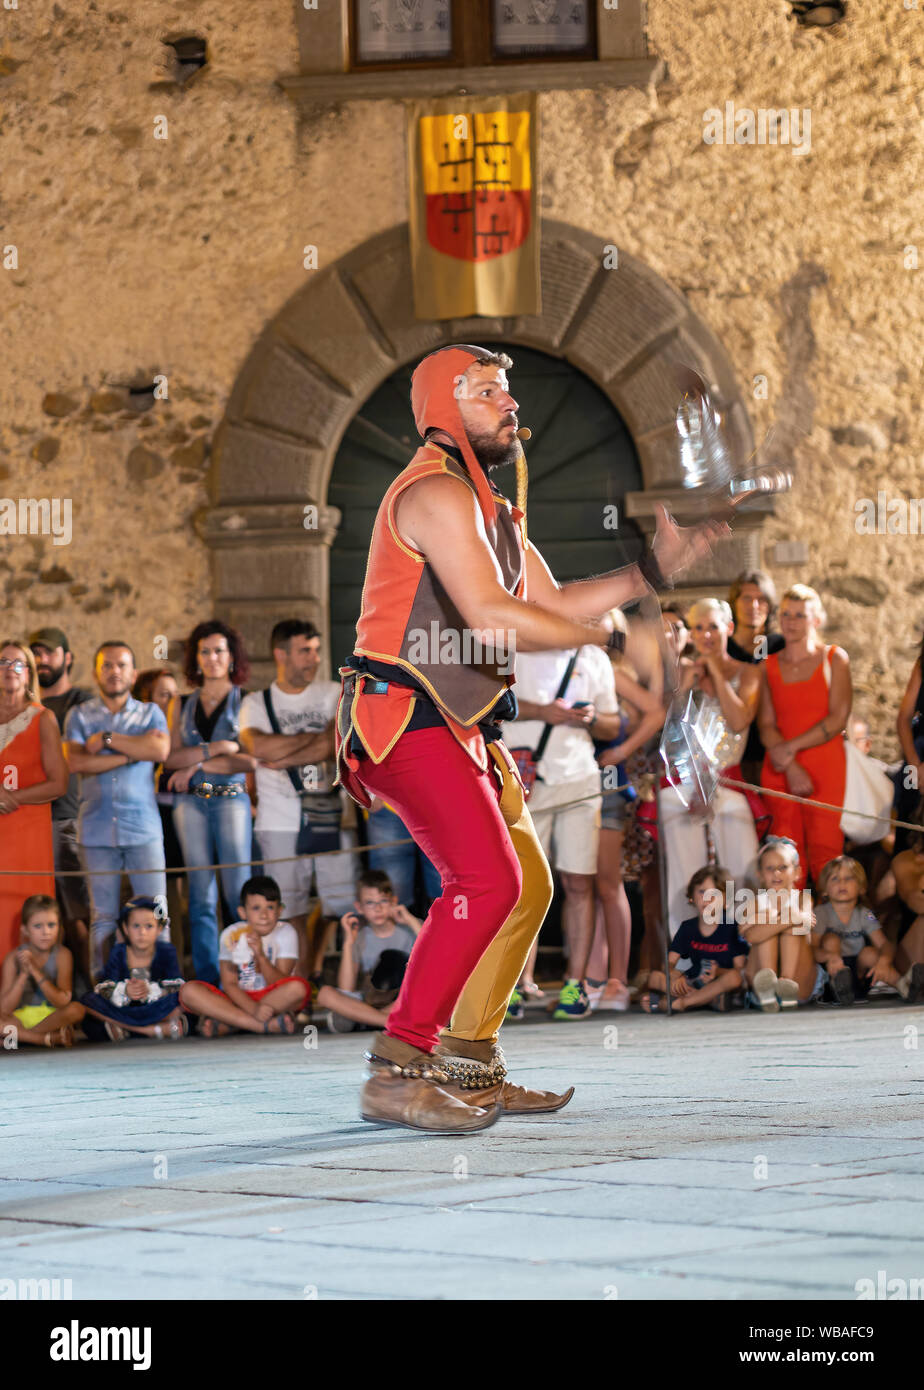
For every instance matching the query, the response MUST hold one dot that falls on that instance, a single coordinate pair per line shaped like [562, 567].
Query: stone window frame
[472, 42]
[622, 60]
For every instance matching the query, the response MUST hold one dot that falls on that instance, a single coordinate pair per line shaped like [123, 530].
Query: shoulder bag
[319, 822]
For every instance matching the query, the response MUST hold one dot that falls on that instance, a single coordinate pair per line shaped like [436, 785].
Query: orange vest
[408, 621]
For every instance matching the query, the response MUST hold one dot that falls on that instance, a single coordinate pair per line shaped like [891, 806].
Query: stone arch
[268, 526]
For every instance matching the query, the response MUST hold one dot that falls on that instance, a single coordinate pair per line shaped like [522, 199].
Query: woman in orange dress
[805, 701]
[32, 773]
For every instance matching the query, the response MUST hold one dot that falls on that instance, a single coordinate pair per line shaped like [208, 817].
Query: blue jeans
[399, 862]
[144, 865]
[213, 830]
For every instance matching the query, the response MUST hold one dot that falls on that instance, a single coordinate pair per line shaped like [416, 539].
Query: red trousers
[450, 807]
[817, 833]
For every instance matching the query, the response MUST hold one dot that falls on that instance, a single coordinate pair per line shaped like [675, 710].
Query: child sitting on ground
[849, 942]
[777, 926]
[377, 942]
[139, 991]
[710, 941]
[259, 993]
[36, 980]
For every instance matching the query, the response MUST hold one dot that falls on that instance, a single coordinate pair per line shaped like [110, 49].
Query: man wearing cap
[452, 587]
[54, 661]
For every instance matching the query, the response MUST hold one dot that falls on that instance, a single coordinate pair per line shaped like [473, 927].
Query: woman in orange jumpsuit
[805, 701]
[32, 773]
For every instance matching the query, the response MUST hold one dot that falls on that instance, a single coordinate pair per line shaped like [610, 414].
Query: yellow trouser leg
[482, 1004]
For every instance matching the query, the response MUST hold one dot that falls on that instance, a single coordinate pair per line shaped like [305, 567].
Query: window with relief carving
[535, 28]
[432, 33]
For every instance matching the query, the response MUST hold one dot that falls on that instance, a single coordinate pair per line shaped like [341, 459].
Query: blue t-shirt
[117, 807]
[722, 946]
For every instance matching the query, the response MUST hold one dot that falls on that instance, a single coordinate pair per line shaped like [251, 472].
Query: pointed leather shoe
[391, 1096]
[477, 1076]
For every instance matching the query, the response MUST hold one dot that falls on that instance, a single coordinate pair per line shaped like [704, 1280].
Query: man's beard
[51, 676]
[491, 451]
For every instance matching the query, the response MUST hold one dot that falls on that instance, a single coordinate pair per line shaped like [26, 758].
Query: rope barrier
[765, 792]
[409, 840]
[822, 805]
[198, 868]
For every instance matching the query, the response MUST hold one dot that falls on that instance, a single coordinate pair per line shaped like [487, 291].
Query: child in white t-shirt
[259, 992]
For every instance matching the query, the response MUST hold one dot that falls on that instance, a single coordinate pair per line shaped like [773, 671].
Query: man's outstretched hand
[676, 547]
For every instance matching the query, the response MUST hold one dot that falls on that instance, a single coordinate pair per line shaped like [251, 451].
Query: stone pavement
[740, 1157]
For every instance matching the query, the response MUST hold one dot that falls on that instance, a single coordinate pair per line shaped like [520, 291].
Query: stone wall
[141, 258]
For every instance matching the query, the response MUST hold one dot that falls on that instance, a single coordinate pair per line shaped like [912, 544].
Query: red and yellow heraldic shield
[474, 239]
[477, 182]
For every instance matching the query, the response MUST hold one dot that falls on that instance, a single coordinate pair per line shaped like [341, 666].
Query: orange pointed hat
[435, 406]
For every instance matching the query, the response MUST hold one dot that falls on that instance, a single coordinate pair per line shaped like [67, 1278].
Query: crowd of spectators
[174, 855]
[782, 698]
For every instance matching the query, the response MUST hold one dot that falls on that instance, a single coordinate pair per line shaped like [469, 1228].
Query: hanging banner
[474, 232]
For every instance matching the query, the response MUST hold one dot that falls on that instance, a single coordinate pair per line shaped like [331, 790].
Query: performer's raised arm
[440, 517]
[673, 550]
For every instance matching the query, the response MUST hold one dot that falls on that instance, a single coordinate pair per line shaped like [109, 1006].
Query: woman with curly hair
[208, 774]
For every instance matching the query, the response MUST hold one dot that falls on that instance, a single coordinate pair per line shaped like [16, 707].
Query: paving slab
[742, 1158]
[837, 1263]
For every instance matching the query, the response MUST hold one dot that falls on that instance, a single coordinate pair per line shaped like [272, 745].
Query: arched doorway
[581, 462]
[271, 525]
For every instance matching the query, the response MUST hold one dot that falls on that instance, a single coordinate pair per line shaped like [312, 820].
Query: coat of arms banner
[473, 172]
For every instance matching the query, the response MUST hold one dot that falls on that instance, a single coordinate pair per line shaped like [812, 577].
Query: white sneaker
[911, 984]
[764, 986]
[787, 991]
[613, 998]
[594, 994]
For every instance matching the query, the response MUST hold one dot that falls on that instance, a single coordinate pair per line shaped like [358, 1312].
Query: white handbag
[867, 789]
